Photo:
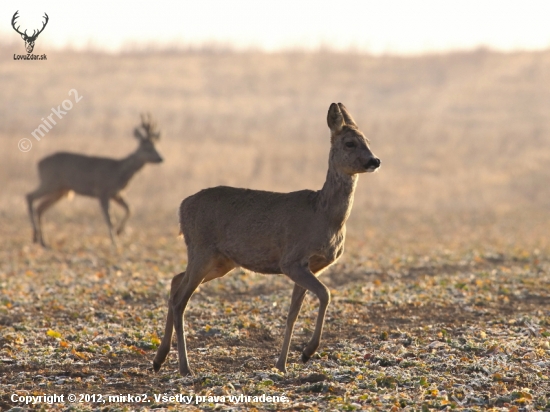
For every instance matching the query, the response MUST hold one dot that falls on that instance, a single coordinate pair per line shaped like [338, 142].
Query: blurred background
[454, 96]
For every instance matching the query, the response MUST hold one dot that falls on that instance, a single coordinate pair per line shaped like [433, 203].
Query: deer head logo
[29, 40]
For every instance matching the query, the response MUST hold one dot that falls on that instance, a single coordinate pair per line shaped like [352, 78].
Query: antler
[43, 25]
[149, 126]
[15, 16]
[34, 33]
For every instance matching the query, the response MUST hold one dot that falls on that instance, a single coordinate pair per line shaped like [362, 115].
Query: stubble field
[440, 301]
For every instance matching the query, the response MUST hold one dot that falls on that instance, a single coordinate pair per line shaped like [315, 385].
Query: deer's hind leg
[42, 191]
[31, 197]
[48, 202]
[104, 202]
[201, 268]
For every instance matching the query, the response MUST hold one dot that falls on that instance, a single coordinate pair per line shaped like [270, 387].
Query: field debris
[469, 332]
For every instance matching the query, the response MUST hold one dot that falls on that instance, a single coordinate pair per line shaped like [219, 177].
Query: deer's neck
[336, 197]
[129, 166]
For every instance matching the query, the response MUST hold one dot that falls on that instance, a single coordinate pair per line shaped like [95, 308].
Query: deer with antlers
[29, 40]
[298, 234]
[98, 177]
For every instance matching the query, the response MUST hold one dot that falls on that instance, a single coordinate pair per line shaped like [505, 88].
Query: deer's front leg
[298, 295]
[120, 200]
[304, 278]
[164, 347]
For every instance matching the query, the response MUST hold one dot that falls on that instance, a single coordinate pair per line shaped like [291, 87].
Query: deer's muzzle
[372, 164]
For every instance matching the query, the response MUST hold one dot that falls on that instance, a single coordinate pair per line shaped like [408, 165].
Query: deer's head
[350, 152]
[29, 40]
[147, 140]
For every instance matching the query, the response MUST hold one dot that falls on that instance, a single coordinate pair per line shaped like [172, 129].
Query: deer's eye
[351, 145]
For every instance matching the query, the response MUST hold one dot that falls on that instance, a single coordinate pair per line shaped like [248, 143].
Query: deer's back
[86, 175]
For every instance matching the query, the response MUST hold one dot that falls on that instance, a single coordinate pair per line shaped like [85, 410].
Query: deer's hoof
[281, 368]
[185, 370]
[156, 366]
[305, 358]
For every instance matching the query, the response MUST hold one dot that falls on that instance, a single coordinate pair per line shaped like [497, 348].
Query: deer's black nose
[373, 163]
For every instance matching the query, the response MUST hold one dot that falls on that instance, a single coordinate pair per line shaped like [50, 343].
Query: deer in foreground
[298, 234]
[98, 177]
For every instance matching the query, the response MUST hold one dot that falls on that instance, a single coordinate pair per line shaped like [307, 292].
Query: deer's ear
[335, 119]
[347, 116]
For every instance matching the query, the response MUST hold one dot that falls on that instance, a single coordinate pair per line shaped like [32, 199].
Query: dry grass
[448, 243]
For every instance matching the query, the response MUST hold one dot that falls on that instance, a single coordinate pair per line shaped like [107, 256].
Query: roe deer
[298, 234]
[98, 177]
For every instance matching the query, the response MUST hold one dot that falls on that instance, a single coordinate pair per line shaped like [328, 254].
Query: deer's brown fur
[298, 234]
